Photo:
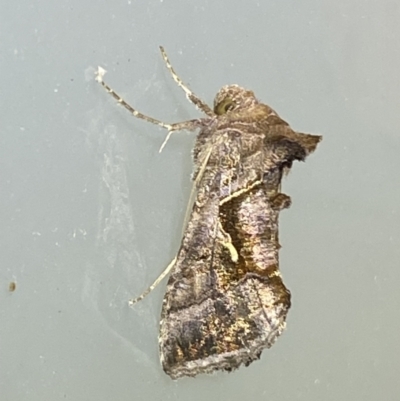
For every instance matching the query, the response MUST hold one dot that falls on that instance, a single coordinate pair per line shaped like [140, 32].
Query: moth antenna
[192, 97]
[189, 125]
[99, 78]
[195, 185]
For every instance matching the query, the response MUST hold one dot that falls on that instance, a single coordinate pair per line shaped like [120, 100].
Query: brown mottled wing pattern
[225, 300]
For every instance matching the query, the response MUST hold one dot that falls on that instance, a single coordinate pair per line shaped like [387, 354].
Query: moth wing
[219, 312]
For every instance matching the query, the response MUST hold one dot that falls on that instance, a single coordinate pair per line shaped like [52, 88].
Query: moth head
[232, 98]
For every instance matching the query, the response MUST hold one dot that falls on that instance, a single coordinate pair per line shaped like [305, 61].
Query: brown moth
[225, 299]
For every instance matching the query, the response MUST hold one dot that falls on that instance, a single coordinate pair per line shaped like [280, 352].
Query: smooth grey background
[91, 213]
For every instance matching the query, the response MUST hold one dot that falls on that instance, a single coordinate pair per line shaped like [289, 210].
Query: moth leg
[202, 106]
[133, 301]
[280, 201]
[225, 239]
[189, 125]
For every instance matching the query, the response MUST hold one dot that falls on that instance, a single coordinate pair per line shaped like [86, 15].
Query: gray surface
[91, 213]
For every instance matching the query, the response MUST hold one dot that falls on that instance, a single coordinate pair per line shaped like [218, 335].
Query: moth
[225, 299]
